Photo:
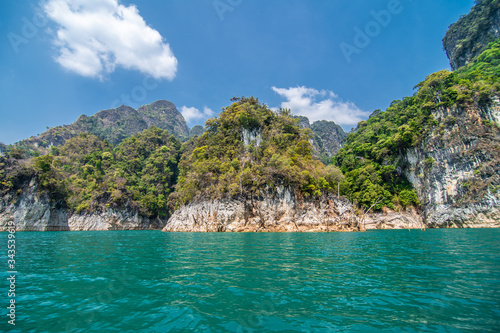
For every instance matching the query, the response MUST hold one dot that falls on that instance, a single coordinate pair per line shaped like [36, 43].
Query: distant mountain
[163, 114]
[197, 130]
[3, 149]
[114, 125]
[327, 137]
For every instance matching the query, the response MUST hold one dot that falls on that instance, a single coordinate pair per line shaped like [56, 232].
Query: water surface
[149, 281]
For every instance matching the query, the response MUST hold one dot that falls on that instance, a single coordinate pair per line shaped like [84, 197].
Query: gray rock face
[410, 219]
[283, 211]
[113, 219]
[456, 169]
[327, 137]
[252, 137]
[330, 135]
[32, 211]
[472, 33]
[35, 211]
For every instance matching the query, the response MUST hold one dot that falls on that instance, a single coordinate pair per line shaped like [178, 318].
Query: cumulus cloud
[320, 105]
[95, 36]
[192, 113]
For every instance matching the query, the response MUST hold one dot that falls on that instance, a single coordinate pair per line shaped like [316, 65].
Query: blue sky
[63, 58]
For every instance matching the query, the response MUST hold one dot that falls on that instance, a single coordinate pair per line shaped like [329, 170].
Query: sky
[324, 59]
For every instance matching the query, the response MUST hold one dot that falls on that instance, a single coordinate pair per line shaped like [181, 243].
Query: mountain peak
[161, 103]
[113, 125]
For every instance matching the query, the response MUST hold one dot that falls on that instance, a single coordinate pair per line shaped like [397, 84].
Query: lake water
[149, 281]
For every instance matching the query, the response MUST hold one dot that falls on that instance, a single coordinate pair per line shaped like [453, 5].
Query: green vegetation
[250, 150]
[327, 138]
[326, 135]
[113, 125]
[13, 175]
[472, 33]
[277, 153]
[371, 156]
[88, 173]
[197, 130]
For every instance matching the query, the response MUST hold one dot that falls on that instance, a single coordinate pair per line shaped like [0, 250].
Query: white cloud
[193, 113]
[95, 36]
[207, 111]
[320, 105]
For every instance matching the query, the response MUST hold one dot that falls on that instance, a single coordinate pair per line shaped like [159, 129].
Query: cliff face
[283, 211]
[468, 37]
[456, 168]
[327, 137]
[32, 210]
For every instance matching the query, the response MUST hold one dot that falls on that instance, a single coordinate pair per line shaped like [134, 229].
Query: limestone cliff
[280, 211]
[34, 210]
[468, 37]
[284, 211]
[456, 167]
[327, 137]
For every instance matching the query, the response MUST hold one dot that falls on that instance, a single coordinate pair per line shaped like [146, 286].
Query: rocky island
[430, 160]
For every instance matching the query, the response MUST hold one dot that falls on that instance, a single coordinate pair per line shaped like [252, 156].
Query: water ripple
[141, 281]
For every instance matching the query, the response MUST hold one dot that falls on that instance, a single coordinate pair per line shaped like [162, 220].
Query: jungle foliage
[371, 155]
[88, 173]
[249, 149]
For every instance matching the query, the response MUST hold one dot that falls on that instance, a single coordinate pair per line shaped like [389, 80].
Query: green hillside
[371, 156]
[247, 150]
[89, 174]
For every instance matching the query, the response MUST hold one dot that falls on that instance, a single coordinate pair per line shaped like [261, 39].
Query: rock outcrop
[279, 212]
[468, 37]
[455, 170]
[284, 212]
[389, 219]
[34, 210]
[327, 137]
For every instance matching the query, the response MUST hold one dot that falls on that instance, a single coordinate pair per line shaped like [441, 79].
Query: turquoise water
[149, 281]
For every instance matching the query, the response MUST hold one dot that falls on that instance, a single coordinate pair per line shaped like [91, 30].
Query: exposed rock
[113, 219]
[455, 170]
[281, 211]
[33, 210]
[327, 137]
[252, 136]
[468, 37]
[410, 219]
[163, 114]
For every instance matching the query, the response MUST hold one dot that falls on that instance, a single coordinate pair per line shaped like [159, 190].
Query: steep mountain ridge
[327, 137]
[114, 125]
[439, 147]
